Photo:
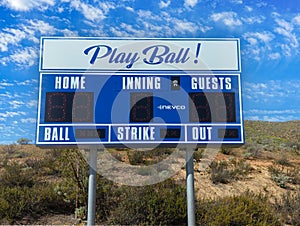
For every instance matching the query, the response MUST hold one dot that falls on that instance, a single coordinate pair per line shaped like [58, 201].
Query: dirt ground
[258, 181]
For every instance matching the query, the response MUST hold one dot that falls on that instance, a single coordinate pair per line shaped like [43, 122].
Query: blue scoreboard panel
[138, 107]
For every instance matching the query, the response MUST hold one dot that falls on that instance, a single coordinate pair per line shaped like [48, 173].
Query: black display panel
[141, 107]
[90, 133]
[170, 133]
[69, 107]
[212, 107]
[228, 133]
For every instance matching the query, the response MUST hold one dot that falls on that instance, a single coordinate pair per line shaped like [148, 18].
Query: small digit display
[69, 107]
[141, 107]
[228, 133]
[90, 133]
[212, 107]
[170, 133]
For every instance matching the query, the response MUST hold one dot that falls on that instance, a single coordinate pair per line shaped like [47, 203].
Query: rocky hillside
[53, 182]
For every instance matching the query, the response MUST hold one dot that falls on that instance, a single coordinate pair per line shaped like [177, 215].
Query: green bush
[73, 188]
[148, 157]
[288, 207]
[24, 191]
[17, 175]
[136, 157]
[45, 166]
[227, 171]
[253, 150]
[13, 202]
[226, 150]
[246, 209]
[74, 172]
[160, 204]
[294, 174]
[198, 154]
[16, 202]
[283, 161]
[220, 172]
[9, 149]
[23, 141]
[282, 175]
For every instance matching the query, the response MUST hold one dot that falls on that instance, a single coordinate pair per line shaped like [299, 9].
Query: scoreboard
[139, 92]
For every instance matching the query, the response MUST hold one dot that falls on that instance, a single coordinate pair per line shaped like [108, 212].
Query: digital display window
[69, 107]
[212, 107]
[90, 133]
[170, 133]
[228, 133]
[141, 107]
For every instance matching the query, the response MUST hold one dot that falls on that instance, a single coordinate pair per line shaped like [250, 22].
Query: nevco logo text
[171, 107]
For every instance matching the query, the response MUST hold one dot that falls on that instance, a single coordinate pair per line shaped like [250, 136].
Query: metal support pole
[92, 187]
[190, 187]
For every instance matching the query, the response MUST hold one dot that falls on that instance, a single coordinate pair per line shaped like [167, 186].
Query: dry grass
[272, 157]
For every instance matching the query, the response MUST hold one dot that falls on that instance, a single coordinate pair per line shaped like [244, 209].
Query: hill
[54, 187]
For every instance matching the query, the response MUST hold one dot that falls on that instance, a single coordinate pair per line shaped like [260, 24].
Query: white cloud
[118, 32]
[248, 8]
[129, 28]
[264, 36]
[7, 95]
[4, 84]
[251, 40]
[277, 118]
[236, 1]
[44, 28]
[229, 19]
[296, 20]
[163, 4]
[16, 104]
[28, 120]
[27, 5]
[60, 9]
[282, 42]
[261, 4]
[90, 12]
[12, 114]
[129, 9]
[259, 43]
[168, 25]
[253, 20]
[286, 49]
[283, 32]
[27, 31]
[107, 6]
[275, 91]
[253, 118]
[270, 112]
[185, 26]
[32, 103]
[69, 33]
[190, 3]
[27, 82]
[291, 42]
[151, 16]
[274, 56]
[10, 36]
[284, 24]
[22, 58]
[272, 118]
[285, 29]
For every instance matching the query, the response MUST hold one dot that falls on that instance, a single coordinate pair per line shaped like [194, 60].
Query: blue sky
[269, 31]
